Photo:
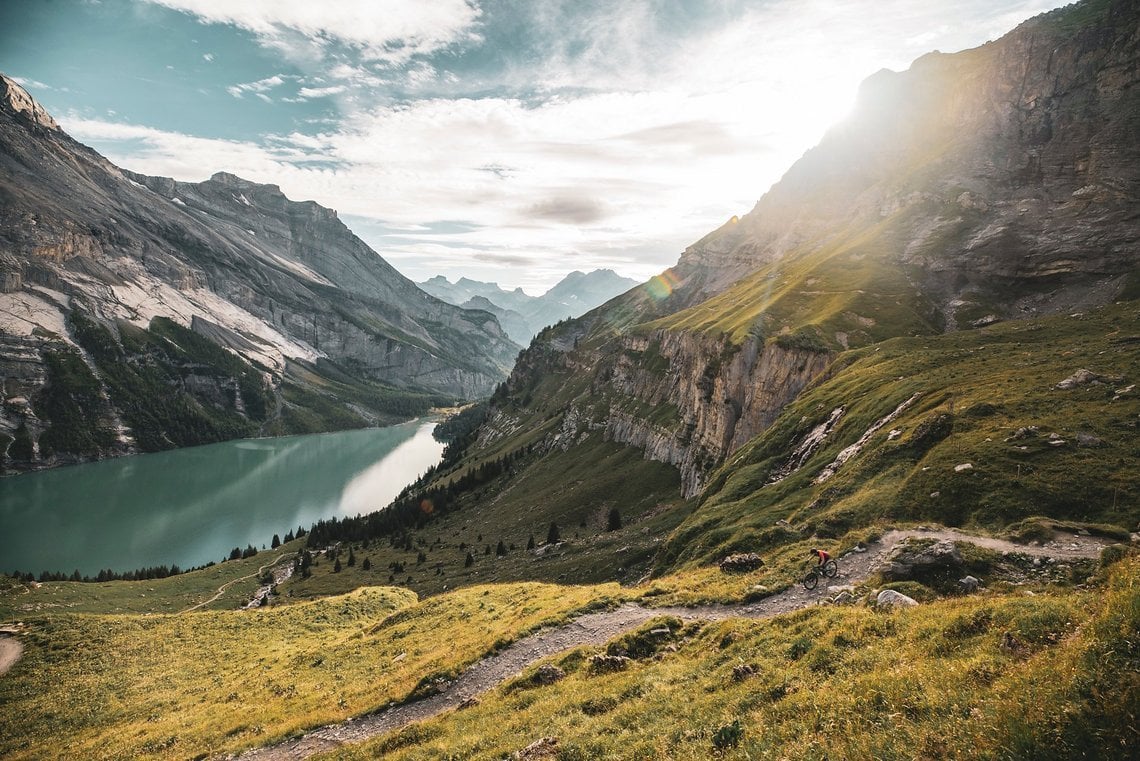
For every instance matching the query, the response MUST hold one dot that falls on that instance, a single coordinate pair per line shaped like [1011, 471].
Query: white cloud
[260, 86]
[673, 134]
[387, 30]
[26, 83]
[208, 57]
[320, 92]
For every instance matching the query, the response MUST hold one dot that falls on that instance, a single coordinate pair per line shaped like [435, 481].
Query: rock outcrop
[686, 399]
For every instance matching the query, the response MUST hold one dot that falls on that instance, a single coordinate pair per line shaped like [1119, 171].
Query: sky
[511, 141]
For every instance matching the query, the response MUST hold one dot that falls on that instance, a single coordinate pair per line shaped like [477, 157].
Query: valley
[918, 352]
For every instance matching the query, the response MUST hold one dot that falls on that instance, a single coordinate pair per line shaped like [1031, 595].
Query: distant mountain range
[523, 316]
[143, 313]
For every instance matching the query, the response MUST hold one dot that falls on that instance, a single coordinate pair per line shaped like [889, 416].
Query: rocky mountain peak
[15, 100]
[232, 181]
[1009, 168]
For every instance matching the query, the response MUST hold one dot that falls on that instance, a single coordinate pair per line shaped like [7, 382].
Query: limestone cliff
[685, 399]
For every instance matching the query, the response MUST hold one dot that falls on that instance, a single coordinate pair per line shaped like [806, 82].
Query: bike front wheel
[811, 580]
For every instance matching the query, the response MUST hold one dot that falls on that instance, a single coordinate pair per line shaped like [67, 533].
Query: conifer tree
[614, 522]
[553, 535]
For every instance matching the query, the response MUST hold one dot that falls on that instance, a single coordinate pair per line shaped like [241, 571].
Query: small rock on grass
[604, 662]
[889, 598]
[548, 674]
[547, 747]
[741, 562]
[969, 584]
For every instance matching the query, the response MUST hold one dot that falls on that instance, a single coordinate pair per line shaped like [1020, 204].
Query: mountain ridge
[574, 295]
[284, 285]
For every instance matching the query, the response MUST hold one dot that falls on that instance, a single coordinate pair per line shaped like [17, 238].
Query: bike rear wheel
[830, 568]
[811, 580]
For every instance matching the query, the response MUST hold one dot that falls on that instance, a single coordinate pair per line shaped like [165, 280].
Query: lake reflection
[190, 506]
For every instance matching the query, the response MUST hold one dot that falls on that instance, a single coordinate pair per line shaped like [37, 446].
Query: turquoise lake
[191, 506]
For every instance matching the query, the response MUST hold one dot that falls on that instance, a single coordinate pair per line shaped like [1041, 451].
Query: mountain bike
[829, 569]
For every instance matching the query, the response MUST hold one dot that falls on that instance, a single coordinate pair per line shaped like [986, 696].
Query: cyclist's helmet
[814, 551]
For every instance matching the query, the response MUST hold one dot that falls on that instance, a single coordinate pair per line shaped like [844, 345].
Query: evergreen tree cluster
[458, 431]
[141, 574]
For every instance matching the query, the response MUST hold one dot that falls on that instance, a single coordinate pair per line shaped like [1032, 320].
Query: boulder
[844, 598]
[889, 599]
[911, 561]
[743, 671]
[548, 674]
[969, 584]
[1079, 378]
[741, 562]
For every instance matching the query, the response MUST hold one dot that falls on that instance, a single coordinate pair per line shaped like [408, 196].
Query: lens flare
[427, 507]
[662, 286]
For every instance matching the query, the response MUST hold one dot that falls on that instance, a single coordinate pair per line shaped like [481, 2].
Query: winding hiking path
[598, 628]
[222, 589]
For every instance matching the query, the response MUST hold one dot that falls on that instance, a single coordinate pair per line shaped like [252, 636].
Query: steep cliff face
[281, 284]
[686, 399]
[1008, 176]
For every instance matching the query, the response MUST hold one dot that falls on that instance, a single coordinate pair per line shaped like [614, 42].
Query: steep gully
[597, 628]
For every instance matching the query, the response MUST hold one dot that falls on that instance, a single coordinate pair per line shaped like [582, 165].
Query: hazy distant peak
[523, 315]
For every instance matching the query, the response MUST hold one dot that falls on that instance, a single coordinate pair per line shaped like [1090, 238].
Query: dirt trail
[10, 652]
[598, 628]
[222, 589]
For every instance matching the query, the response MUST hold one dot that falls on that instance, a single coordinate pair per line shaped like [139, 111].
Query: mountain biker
[822, 555]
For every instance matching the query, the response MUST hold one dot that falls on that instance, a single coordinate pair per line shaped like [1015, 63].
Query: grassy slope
[978, 388]
[933, 682]
[576, 489]
[168, 595]
[160, 686]
[843, 286]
